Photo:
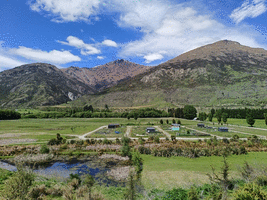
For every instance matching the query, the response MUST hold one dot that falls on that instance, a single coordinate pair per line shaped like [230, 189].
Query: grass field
[167, 173]
[108, 133]
[141, 130]
[45, 129]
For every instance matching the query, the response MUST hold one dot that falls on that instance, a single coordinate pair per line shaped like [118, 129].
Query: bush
[17, 186]
[175, 194]
[156, 139]
[250, 191]
[37, 191]
[44, 149]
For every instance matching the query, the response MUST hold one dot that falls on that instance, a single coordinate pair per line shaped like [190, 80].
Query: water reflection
[62, 171]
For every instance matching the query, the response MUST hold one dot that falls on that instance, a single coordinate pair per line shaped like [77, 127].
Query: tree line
[9, 114]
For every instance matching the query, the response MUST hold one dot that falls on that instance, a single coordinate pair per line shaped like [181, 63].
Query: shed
[113, 125]
[201, 125]
[175, 127]
[223, 129]
[150, 130]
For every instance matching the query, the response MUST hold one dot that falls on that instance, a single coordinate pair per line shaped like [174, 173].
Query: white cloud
[178, 30]
[249, 9]
[152, 57]
[110, 43]
[8, 62]
[100, 57]
[166, 25]
[54, 56]
[67, 10]
[86, 49]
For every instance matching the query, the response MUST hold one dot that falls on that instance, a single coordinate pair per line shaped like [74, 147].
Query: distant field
[167, 173]
[141, 130]
[45, 129]
[108, 133]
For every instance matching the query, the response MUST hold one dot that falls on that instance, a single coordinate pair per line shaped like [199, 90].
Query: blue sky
[88, 33]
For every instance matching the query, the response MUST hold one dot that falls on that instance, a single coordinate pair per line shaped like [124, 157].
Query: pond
[62, 170]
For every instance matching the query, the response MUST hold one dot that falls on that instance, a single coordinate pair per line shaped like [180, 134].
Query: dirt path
[165, 133]
[82, 137]
[128, 131]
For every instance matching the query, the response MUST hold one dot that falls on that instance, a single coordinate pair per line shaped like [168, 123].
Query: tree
[161, 121]
[250, 120]
[210, 116]
[173, 121]
[212, 111]
[190, 112]
[135, 116]
[219, 116]
[202, 116]
[167, 121]
[106, 107]
[224, 117]
[265, 117]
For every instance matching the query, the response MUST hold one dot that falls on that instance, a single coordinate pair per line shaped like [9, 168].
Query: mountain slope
[38, 84]
[223, 73]
[107, 75]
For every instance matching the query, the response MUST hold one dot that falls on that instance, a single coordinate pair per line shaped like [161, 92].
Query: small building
[223, 129]
[150, 130]
[201, 125]
[113, 125]
[175, 127]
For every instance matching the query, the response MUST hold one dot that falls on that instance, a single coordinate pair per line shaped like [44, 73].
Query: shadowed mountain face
[43, 84]
[107, 75]
[223, 73]
[38, 84]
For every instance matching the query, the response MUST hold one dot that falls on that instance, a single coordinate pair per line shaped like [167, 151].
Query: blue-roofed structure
[223, 129]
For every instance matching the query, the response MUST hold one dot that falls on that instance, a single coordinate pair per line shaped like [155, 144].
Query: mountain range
[224, 73]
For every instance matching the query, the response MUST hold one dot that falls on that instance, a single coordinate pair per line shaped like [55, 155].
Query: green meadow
[172, 172]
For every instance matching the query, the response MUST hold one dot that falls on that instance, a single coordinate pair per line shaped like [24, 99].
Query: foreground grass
[167, 173]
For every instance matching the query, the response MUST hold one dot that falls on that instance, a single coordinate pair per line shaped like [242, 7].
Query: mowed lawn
[168, 173]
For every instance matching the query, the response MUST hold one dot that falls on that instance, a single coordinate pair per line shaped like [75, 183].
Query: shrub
[193, 194]
[44, 149]
[141, 141]
[179, 121]
[118, 141]
[175, 194]
[156, 139]
[17, 186]
[250, 191]
[37, 191]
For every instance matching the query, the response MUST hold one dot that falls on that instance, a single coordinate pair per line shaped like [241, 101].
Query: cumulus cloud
[8, 62]
[86, 49]
[54, 56]
[248, 9]
[100, 57]
[152, 57]
[180, 29]
[166, 25]
[67, 10]
[109, 43]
